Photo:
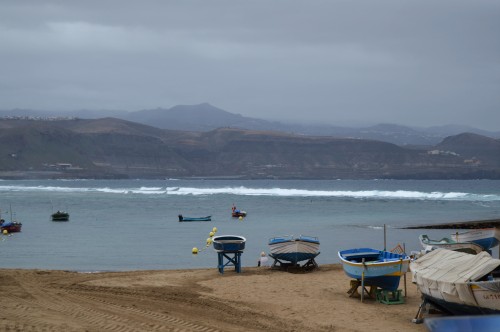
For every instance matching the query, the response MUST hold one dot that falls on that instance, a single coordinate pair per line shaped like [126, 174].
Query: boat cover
[447, 272]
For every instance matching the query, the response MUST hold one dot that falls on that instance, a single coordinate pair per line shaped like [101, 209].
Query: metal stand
[233, 259]
[310, 264]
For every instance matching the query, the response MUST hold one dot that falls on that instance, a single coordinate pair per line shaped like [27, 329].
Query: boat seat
[360, 255]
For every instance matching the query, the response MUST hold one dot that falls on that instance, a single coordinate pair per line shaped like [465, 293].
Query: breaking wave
[278, 192]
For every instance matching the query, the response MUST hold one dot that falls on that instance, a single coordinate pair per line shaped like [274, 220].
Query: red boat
[238, 213]
[10, 226]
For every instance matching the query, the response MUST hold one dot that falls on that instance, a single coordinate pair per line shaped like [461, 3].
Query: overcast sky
[417, 62]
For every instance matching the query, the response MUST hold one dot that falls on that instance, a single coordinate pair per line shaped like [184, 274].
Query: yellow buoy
[209, 241]
[211, 234]
[241, 218]
[5, 232]
[214, 229]
[194, 251]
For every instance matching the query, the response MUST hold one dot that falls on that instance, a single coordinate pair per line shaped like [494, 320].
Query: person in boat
[263, 260]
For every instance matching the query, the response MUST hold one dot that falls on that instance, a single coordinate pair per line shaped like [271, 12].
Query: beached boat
[377, 267]
[229, 243]
[447, 243]
[60, 216]
[485, 237]
[294, 249]
[459, 283]
[182, 218]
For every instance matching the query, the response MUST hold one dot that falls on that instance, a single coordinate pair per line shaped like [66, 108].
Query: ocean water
[123, 225]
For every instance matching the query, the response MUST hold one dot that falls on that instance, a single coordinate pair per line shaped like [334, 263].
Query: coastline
[258, 299]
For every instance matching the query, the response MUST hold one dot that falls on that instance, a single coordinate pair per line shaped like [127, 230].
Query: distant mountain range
[115, 148]
[205, 117]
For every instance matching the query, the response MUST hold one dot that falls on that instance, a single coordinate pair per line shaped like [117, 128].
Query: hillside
[205, 117]
[114, 148]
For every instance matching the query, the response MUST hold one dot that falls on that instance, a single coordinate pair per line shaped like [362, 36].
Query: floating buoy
[209, 241]
[211, 234]
[194, 251]
[240, 218]
[214, 229]
[5, 232]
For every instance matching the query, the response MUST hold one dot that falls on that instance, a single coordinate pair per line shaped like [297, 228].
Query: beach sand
[258, 299]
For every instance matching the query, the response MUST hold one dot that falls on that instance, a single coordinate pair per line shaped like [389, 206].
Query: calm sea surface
[124, 225]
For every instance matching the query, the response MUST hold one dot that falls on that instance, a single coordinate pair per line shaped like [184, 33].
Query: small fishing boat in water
[375, 267]
[485, 237]
[236, 213]
[447, 243]
[11, 226]
[182, 218]
[60, 216]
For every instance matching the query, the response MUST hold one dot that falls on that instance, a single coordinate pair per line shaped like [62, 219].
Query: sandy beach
[258, 299]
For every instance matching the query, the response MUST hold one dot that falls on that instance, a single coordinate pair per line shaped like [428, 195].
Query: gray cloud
[410, 62]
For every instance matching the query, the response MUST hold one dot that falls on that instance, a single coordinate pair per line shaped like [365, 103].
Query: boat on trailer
[458, 283]
[447, 243]
[374, 267]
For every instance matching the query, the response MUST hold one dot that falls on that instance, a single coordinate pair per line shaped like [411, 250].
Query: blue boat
[294, 249]
[229, 243]
[182, 218]
[463, 323]
[485, 237]
[377, 267]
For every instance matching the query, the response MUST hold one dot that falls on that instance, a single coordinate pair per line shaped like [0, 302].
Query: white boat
[294, 249]
[447, 243]
[485, 237]
[459, 283]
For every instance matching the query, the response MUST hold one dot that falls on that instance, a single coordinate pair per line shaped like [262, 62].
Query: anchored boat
[182, 218]
[60, 216]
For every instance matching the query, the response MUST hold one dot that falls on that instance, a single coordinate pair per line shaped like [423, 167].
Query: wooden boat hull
[229, 243]
[292, 249]
[446, 243]
[182, 219]
[486, 237]
[444, 279]
[381, 268]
